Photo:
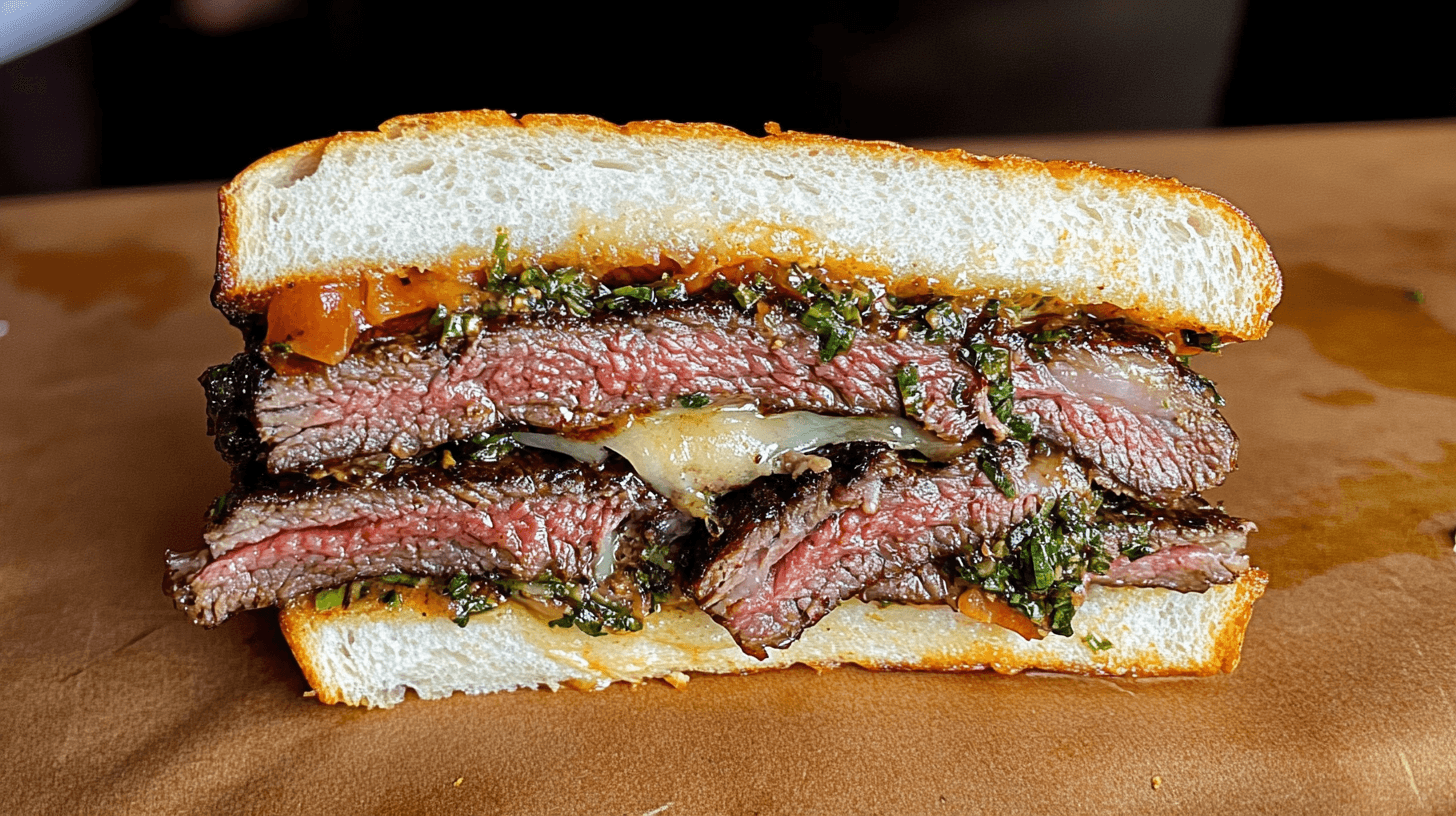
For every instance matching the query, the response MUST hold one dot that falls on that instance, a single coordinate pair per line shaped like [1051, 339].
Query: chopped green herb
[986, 461]
[1416, 296]
[623, 296]
[400, 578]
[1201, 340]
[807, 284]
[835, 335]
[912, 393]
[460, 324]
[1037, 343]
[697, 399]
[329, 598]
[391, 599]
[219, 507]
[465, 600]
[944, 322]
[994, 364]
[1038, 567]
[491, 448]
[1097, 644]
[1051, 335]
[1139, 542]
[495, 277]
[671, 291]
[1063, 610]
[587, 611]
[566, 286]
[284, 347]
[748, 294]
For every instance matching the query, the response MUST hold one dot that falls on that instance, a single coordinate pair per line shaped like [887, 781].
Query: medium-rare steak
[1188, 549]
[791, 550]
[876, 527]
[1120, 401]
[1112, 395]
[528, 516]
[566, 373]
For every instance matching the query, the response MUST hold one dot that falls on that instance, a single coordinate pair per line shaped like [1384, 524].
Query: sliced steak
[924, 584]
[528, 516]
[792, 550]
[562, 373]
[1188, 549]
[1118, 399]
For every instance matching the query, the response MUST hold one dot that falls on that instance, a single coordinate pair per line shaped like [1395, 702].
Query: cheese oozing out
[690, 455]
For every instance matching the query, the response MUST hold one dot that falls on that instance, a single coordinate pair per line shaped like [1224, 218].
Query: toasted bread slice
[369, 654]
[432, 192]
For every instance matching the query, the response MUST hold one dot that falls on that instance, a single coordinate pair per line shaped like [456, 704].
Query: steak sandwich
[553, 401]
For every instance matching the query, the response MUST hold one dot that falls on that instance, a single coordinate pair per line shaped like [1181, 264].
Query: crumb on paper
[310, 693]
[459, 780]
[1157, 782]
[655, 811]
[677, 679]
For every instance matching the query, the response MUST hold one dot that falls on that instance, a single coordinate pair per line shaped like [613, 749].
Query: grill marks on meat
[579, 374]
[1119, 401]
[792, 550]
[524, 517]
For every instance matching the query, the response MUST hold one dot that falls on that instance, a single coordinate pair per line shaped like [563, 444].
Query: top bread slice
[431, 192]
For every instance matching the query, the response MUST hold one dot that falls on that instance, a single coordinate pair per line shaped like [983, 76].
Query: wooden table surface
[111, 702]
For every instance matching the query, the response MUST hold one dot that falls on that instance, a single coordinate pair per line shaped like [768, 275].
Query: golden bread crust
[238, 295]
[1154, 632]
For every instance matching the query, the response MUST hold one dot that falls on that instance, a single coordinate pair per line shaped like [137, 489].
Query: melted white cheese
[691, 454]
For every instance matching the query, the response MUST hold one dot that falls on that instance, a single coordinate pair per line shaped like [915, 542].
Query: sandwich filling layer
[766, 444]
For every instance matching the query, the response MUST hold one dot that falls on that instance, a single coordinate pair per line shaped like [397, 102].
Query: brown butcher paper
[1345, 702]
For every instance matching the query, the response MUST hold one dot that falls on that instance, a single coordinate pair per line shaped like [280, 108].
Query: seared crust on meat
[432, 191]
[370, 655]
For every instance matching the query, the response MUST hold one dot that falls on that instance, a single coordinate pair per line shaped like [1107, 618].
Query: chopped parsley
[697, 399]
[1038, 566]
[465, 600]
[624, 296]
[460, 324]
[912, 393]
[994, 365]
[566, 286]
[835, 334]
[400, 578]
[1097, 644]
[329, 598]
[495, 277]
[987, 461]
[944, 323]
[1201, 340]
[392, 599]
[219, 507]
[587, 611]
[490, 447]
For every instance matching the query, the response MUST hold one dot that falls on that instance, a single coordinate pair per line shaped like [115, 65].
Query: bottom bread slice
[371, 654]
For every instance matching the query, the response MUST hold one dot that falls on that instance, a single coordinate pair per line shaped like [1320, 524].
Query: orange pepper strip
[318, 321]
[977, 605]
[391, 296]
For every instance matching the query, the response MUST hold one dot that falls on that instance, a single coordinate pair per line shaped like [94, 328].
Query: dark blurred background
[178, 90]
